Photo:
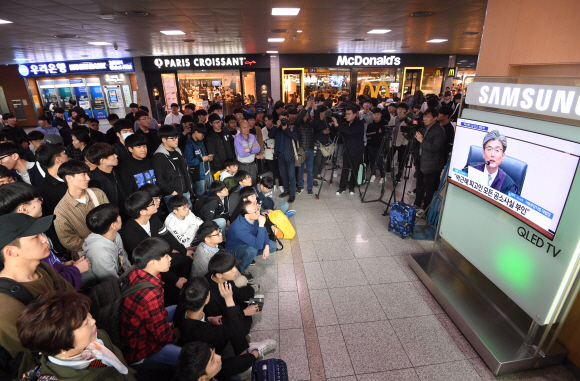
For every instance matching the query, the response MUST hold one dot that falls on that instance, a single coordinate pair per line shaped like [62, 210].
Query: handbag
[326, 150]
[300, 156]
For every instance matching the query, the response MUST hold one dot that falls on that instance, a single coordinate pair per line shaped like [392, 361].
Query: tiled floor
[344, 305]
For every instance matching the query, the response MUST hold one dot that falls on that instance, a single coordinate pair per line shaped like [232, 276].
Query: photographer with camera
[400, 142]
[431, 159]
[376, 130]
[284, 133]
[321, 137]
[353, 130]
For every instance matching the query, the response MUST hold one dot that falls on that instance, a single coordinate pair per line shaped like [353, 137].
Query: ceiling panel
[234, 26]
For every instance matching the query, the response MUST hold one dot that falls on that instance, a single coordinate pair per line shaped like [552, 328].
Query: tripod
[339, 139]
[406, 171]
[389, 156]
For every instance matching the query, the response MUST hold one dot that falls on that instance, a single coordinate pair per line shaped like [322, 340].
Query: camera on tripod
[338, 113]
[411, 127]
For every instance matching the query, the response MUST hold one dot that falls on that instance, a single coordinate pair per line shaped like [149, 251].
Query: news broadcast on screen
[527, 174]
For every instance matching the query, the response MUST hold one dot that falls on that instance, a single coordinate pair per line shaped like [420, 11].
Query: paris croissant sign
[559, 101]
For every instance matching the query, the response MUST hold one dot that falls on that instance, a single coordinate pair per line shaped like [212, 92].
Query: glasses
[497, 150]
[216, 234]
[145, 118]
[174, 138]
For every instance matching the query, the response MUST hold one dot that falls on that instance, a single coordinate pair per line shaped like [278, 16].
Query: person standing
[306, 139]
[174, 117]
[285, 134]
[198, 159]
[160, 110]
[62, 125]
[354, 131]
[247, 147]
[219, 143]
[45, 127]
[145, 129]
[134, 109]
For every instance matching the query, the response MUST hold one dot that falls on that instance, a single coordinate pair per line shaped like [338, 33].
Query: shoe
[310, 191]
[420, 212]
[283, 194]
[263, 347]
[291, 199]
[340, 191]
[351, 191]
[299, 190]
[398, 179]
[248, 275]
[373, 178]
[335, 174]
[382, 180]
[412, 193]
[281, 188]
[315, 183]
[290, 213]
[256, 287]
[253, 262]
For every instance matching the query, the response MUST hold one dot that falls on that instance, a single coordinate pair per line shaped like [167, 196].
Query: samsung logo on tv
[368, 61]
[560, 101]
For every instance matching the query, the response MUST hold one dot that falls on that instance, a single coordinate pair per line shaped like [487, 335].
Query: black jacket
[217, 304]
[221, 145]
[354, 134]
[111, 136]
[449, 137]
[135, 173]
[112, 189]
[122, 152]
[375, 133]
[98, 136]
[36, 174]
[305, 131]
[130, 116]
[168, 176]
[215, 208]
[63, 129]
[153, 140]
[289, 135]
[52, 191]
[18, 132]
[319, 127]
[432, 149]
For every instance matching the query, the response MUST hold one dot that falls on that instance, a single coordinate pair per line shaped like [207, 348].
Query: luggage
[361, 175]
[402, 219]
[270, 370]
[279, 219]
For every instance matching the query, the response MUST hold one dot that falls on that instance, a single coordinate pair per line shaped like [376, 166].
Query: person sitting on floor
[217, 206]
[181, 222]
[265, 192]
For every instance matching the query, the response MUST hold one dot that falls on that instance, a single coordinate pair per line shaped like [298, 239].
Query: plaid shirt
[144, 319]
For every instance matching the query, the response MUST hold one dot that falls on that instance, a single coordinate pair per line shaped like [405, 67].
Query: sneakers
[281, 188]
[351, 191]
[290, 213]
[299, 190]
[283, 194]
[373, 178]
[340, 191]
[291, 199]
[382, 180]
[411, 192]
[335, 174]
[310, 191]
[256, 287]
[253, 262]
[248, 275]
[420, 212]
[315, 183]
[263, 348]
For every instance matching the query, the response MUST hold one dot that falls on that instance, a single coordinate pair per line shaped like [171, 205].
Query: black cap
[16, 225]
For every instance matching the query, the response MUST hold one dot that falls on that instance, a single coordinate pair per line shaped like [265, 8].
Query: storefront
[100, 87]
[385, 75]
[230, 80]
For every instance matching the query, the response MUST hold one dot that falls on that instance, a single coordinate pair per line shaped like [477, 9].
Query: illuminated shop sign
[368, 61]
[559, 101]
[205, 62]
[59, 68]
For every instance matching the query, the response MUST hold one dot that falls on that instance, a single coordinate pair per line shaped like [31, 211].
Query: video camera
[337, 112]
[412, 126]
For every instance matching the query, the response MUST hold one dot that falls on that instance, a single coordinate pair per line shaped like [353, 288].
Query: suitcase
[402, 219]
[270, 370]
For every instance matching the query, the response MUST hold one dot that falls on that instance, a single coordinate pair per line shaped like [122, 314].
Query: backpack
[8, 365]
[106, 298]
[231, 183]
[279, 219]
[200, 201]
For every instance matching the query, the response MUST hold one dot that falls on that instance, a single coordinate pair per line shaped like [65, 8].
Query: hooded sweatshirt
[105, 256]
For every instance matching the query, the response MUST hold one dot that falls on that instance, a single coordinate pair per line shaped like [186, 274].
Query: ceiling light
[5, 22]
[172, 32]
[378, 31]
[437, 40]
[107, 16]
[275, 40]
[99, 43]
[421, 14]
[285, 11]
[22, 59]
[389, 51]
[271, 51]
[298, 31]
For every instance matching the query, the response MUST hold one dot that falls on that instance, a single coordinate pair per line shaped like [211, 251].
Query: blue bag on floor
[402, 219]
[270, 370]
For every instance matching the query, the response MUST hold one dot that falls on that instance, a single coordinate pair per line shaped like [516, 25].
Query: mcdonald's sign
[374, 90]
[451, 72]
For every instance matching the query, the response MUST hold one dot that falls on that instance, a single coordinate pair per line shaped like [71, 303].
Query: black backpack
[8, 365]
[199, 202]
[106, 298]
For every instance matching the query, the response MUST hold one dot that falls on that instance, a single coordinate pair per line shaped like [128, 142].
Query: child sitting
[181, 222]
[231, 169]
[270, 203]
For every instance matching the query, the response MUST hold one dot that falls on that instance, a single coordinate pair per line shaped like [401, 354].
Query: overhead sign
[92, 66]
[368, 61]
[559, 101]
[205, 62]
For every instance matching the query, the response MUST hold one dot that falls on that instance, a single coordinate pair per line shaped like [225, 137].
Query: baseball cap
[52, 139]
[16, 225]
[259, 110]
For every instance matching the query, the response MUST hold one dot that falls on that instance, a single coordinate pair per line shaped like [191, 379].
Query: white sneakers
[373, 178]
[335, 174]
[382, 180]
[263, 347]
[281, 188]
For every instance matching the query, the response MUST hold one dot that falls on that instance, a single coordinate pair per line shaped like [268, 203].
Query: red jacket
[144, 319]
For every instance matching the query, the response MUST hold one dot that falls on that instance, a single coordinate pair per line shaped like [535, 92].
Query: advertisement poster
[100, 113]
[36, 101]
[170, 91]
[127, 94]
[113, 96]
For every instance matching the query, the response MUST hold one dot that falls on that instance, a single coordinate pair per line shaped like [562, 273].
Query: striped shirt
[70, 222]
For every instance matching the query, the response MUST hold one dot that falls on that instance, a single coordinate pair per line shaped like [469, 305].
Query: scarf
[94, 351]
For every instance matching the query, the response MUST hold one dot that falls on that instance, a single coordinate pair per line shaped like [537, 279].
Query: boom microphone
[487, 162]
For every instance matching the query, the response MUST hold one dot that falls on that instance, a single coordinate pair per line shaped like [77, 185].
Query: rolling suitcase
[270, 370]
[402, 219]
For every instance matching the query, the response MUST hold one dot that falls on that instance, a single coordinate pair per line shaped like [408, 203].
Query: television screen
[527, 174]
[337, 81]
[216, 83]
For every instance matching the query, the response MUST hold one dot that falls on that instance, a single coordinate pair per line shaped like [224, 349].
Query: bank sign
[205, 62]
[346, 60]
[559, 101]
[73, 67]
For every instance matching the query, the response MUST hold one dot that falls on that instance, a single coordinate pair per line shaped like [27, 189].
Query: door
[292, 85]
[413, 78]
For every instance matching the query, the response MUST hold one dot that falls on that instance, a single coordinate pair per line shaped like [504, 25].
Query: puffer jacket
[305, 131]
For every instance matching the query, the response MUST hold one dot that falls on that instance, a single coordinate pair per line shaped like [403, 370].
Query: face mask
[125, 135]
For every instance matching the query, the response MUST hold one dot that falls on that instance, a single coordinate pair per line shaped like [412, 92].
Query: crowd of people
[177, 208]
